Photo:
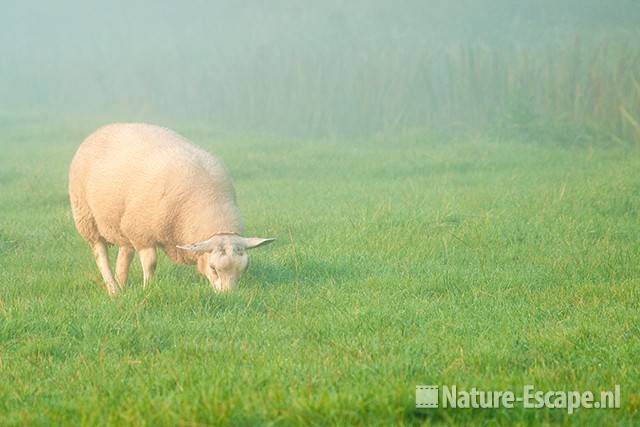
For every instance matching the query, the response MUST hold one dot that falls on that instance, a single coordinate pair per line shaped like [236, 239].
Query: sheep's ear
[205, 246]
[254, 242]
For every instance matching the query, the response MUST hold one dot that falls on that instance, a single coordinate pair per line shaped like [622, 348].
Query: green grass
[399, 262]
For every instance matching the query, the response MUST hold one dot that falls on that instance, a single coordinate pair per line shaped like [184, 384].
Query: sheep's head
[223, 258]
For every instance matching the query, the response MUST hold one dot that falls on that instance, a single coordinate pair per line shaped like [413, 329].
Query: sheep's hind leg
[148, 259]
[125, 255]
[102, 259]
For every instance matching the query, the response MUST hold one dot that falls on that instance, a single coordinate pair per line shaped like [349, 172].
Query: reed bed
[572, 88]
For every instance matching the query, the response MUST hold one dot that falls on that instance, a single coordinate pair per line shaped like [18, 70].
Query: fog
[327, 68]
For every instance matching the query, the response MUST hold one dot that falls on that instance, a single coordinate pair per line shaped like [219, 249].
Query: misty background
[562, 70]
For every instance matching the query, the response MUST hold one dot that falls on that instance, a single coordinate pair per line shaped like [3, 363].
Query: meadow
[401, 260]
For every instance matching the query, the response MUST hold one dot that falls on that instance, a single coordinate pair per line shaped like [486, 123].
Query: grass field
[399, 261]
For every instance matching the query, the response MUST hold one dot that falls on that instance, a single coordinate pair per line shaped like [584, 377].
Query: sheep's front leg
[125, 255]
[102, 259]
[148, 259]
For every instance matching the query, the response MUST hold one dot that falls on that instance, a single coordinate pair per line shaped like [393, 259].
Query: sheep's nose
[229, 283]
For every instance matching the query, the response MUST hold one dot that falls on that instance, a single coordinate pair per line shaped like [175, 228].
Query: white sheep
[141, 187]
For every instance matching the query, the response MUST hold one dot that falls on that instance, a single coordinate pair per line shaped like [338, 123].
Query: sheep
[143, 187]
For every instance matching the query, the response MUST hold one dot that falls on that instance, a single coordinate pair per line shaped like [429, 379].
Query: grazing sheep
[141, 187]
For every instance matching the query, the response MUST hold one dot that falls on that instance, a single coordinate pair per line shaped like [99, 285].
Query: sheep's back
[145, 185]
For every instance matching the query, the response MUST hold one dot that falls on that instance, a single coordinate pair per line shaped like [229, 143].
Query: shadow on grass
[8, 242]
[182, 288]
[308, 272]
